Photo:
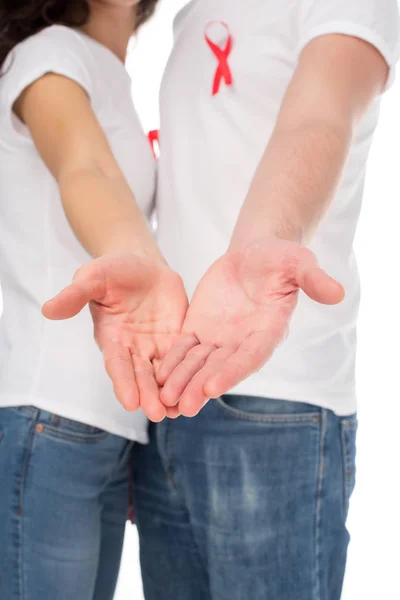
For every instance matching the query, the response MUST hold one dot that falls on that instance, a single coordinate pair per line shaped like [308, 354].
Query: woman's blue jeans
[63, 505]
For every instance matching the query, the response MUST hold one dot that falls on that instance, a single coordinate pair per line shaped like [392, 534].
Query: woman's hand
[138, 307]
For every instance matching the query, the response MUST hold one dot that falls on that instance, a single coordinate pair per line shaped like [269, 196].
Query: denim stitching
[169, 464]
[344, 467]
[25, 465]
[350, 425]
[288, 419]
[348, 470]
[119, 464]
[24, 472]
[170, 447]
[125, 454]
[19, 557]
[71, 436]
[318, 506]
[172, 470]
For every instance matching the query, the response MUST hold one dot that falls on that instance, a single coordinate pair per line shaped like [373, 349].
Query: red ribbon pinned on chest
[223, 71]
[154, 139]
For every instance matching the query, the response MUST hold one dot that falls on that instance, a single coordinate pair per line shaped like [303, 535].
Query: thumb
[72, 299]
[318, 285]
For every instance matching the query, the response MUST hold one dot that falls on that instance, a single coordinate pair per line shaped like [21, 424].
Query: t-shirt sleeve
[374, 21]
[56, 50]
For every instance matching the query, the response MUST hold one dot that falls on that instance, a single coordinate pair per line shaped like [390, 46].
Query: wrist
[244, 237]
[272, 238]
[268, 254]
[123, 240]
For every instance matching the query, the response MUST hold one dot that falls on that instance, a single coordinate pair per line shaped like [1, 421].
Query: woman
[76, 176]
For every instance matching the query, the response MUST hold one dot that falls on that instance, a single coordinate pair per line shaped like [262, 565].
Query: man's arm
[336, 79]
[266, 264]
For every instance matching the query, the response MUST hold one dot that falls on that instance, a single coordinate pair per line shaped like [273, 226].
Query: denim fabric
[248, 501]
[63, 506]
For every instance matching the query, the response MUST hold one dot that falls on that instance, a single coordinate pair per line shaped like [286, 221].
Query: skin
[242, 307]
[137, 303]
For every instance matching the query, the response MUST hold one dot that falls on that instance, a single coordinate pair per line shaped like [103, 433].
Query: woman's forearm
[103, 214]
[97, 199]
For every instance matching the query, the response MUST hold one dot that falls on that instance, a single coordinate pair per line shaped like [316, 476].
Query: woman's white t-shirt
[57, 366]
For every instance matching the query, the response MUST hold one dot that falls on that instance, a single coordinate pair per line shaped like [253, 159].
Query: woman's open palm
[138, 308]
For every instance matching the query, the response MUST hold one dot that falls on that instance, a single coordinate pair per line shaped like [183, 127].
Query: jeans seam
[170, 473]
[25, 465]
[19, 558]
[348, 470]
[318, 506]
[170, 456]
[24, 471]
[271, 419]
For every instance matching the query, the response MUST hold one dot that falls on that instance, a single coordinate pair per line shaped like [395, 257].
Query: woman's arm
[97, 200]
[137, 303]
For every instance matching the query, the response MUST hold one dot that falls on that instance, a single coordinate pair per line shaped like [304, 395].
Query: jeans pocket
[268, 410]
[71, 431]
[349, 434]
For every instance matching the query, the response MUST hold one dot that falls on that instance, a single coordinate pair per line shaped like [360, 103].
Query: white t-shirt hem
[100, 421]
[343, 405]
[358, 31]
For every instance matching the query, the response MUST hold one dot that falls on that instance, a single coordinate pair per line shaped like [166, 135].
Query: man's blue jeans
[63, 507]
[248, 501]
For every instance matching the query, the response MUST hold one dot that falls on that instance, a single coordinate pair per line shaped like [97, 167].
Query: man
[268, 111]
[273, 104]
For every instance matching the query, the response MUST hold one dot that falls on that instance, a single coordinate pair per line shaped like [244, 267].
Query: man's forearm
[336, 79]
[294, 183]
[104, 215]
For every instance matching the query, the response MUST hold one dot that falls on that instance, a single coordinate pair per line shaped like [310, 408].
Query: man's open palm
[239, 314]
[138, 308]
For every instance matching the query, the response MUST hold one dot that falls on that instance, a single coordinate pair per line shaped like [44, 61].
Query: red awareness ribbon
[154, 139]
[222, 54]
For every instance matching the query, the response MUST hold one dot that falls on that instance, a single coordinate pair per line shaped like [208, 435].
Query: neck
[112, 26]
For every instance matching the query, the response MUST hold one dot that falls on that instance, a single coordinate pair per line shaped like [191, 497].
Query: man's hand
[239, 314]
[138, 307]
[242, 307]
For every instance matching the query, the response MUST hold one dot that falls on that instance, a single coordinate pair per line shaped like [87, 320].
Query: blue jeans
[248, 501]
[64, 492]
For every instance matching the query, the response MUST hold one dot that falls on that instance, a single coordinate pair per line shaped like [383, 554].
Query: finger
[118, 363]
[149, 393]
[173, 412]
[319, 286]
[251, 355]
[194, 397]
[72, 299]
[175, 356]
[316, 283]
[178, 380]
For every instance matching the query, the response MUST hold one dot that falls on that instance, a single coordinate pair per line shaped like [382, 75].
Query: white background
[374, 557]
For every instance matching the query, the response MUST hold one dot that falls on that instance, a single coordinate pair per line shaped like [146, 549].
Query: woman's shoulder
[54, 40]
[55, 49]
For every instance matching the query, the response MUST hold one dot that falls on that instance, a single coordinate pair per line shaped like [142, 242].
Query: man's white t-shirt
[56, 366]
[212, 144]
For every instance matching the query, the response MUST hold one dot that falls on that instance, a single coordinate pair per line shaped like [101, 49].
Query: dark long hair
[19, 19]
